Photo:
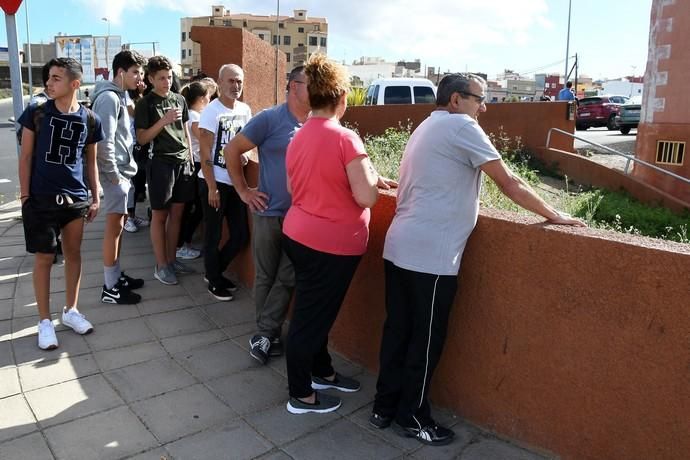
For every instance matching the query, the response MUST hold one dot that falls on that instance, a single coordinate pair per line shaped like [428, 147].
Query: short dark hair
[455, 83]
[294, 73]
[569, 84]
[157, 63]
[126, 59]
[72, 67]
[45, 73]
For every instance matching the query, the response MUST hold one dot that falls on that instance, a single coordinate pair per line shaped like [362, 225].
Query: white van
[387, 91]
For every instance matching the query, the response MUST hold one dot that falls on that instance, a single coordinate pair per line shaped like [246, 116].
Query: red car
[599, 111]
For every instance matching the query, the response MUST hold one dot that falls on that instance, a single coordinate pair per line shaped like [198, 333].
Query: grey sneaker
[340, 383]
[324, 403]
[165, 275]
[182, 269]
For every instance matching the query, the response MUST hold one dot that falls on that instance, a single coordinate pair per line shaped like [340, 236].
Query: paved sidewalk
[171, 377]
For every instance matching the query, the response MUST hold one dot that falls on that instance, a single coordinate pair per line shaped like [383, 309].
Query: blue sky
[610, 36]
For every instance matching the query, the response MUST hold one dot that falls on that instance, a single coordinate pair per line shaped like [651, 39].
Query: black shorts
[43, 217]
[169, 183]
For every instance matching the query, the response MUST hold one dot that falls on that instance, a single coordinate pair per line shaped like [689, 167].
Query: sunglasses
[480, 99]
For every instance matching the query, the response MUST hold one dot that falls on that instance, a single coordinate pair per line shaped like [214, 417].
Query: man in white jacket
[116, 166]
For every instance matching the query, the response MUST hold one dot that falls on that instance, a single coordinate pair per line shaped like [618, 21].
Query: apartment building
[298, 36]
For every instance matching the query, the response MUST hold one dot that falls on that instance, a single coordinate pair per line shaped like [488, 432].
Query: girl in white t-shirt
[198, 94]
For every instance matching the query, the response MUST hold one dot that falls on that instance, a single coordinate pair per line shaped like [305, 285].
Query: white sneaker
[130, 226]
[187, 252]
[140, 221]
[47, 340]
[75, 320]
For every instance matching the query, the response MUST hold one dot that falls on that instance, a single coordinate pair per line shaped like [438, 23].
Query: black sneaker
[380, 421]
[340, 383]
[276, 348]
[259, 346]
[119, 295]
[129, 282]
[219, 293]
[432, 434]
[226, 283]
[324, 403]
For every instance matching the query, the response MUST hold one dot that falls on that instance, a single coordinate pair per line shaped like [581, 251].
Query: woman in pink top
[326, 229]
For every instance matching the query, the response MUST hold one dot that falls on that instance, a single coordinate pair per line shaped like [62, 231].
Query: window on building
[184, 54]
[281, 25]
[317, 27]
[313, 41]
[275, 39]
[244, 24]
[184, 36]
[323, 42]
[287, 57]
[189, 52]
[286, 39]
[300, 30]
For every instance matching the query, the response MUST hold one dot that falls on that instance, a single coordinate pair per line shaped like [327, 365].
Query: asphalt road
[604, 137]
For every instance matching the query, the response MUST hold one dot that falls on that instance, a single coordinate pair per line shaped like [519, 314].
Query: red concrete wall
[230, 45]
[551, 342]
[665, 107]
[530, 121]
[587, 172]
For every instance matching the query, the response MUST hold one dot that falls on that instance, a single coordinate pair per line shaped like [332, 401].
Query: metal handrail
[616, 152]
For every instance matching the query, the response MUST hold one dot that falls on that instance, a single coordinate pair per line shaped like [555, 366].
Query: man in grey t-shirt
[437, 209]
[270, 131]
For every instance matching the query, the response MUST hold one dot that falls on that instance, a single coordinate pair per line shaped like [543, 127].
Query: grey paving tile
[6, 309]
[275, 455]
[174, 323]
[5, 330]
[112, 434]
[154, 454]
[16, 418]
[235, 440]
[215, 360]
[99, 313]
[26, 350]
[120, 333]
[239, 330]
[251, 390]
[182, 412]
[151, 304]
[150, 378]
[156, 290]
[125, 356]
[69, 400]
[231, 313]
[494, 449]
[281, 427]
[343, 440]
[6, 356]
[32, 447]
[44, 373]
[7, 291]
[187, 342]
[9, 382]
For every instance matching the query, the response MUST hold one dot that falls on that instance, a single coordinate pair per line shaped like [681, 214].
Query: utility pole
[15, 67]
[28, 49]
[567, 45]
[277, 44]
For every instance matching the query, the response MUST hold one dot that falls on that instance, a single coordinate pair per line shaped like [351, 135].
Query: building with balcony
[298, 36]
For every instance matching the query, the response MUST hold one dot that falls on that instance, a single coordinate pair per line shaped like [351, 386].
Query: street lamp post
[567, 45]
[107, 44]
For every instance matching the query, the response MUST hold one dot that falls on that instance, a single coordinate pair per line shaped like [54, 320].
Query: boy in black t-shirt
[160, 118]
[55, 137]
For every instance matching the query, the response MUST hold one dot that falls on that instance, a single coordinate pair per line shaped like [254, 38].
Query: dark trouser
[417, 308]
[139, 180]
[321, 284]
[193, 213]
[233, 210]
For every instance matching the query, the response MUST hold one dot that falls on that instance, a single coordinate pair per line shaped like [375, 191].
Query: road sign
[10, 6]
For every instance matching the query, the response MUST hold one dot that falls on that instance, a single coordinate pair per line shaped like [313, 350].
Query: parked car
[598, 111]
[629, 116]
[387, 91]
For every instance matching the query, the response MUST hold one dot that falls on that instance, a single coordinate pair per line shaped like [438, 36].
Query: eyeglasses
[480, 99]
